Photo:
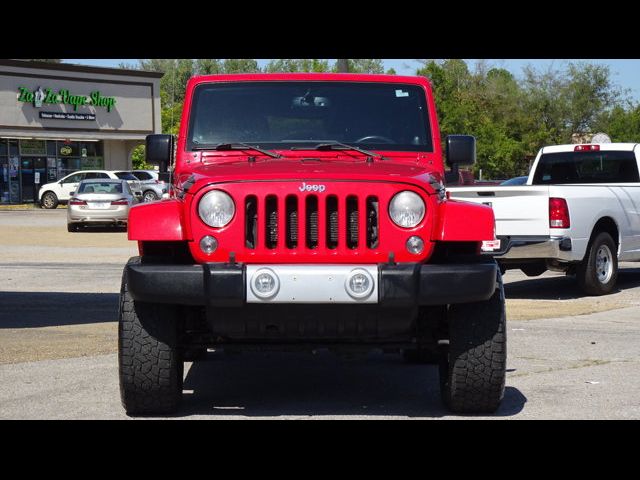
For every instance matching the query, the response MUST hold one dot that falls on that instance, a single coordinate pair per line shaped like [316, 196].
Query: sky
[625, 73]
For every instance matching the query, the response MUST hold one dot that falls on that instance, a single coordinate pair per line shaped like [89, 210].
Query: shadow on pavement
[564, 287]
[294, 384]
[48, 309]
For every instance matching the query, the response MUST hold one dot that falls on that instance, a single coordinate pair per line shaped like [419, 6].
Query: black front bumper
[223, 285]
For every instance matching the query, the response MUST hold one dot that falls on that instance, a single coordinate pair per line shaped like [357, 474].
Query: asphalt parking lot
[569, 357]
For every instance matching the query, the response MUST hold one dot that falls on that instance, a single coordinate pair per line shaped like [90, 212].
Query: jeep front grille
[315, 221]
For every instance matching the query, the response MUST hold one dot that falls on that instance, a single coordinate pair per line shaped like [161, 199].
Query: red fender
[157, 221]
[464, 222]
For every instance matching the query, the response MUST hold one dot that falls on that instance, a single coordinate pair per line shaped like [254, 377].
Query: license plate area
[312, 284]
[99, 205]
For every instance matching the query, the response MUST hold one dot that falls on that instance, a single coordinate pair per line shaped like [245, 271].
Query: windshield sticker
[401, 93]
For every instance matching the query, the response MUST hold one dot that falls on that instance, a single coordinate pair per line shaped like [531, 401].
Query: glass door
[32, 169]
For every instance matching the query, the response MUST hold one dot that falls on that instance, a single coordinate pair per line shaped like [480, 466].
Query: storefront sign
[32, 147]
[39, 97]
[67, 116]
[66, 150]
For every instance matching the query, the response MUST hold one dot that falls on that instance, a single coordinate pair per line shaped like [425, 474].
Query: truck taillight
[586, 148]
[558, 213]
[75, 201]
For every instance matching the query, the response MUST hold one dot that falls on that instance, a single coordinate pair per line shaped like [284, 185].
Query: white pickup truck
[579, 212]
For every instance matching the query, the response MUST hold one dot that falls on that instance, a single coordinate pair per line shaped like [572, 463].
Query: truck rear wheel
[598, 272]
[473, 368]
[150, 366]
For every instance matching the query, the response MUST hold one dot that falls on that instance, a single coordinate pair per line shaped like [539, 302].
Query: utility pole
[343, 65]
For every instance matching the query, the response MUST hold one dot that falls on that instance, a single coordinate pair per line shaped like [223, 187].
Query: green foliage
[138, 160]
[294, 65]
[362, 65]
[512, 118]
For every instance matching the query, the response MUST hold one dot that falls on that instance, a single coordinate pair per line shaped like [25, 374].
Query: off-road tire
[150, 366]
[473, 368]
[421, 356]
[587, 270]
[49, 200]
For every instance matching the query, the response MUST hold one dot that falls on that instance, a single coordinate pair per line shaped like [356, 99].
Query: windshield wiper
[235, 146]
[343, 146]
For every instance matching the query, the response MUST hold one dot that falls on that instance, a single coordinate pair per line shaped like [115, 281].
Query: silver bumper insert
[312, 284]
[550, 247]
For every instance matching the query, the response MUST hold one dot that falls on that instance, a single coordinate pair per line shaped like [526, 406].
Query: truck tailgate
[519, 211]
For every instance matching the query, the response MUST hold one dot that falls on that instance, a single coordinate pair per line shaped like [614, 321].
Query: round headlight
[406, 209]
[216, 208]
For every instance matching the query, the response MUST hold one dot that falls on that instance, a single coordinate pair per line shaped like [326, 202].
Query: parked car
[52, 194]
[100, 202]
[577, 214]
[514, 181]
[152, 187]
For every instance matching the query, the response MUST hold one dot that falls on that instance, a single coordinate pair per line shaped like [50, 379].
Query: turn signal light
[558, 213]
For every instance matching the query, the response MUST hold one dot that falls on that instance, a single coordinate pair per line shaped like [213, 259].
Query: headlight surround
[216, 208]
[407, 209]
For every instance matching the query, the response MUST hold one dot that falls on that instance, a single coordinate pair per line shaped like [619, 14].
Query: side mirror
[159, 150]
[72, 193]
[460, 150]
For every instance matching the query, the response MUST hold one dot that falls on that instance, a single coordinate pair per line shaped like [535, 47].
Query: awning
[72, 135]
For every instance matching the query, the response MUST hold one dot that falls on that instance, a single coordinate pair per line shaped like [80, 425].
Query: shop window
[13, 148]
[91, 149]
[51, 148]
[3, 147]
[4, 178]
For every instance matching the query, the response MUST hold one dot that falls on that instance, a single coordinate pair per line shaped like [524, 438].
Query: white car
[577, 213]
[54, 193]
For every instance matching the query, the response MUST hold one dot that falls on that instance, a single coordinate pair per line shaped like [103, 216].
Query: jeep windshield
[306, 114]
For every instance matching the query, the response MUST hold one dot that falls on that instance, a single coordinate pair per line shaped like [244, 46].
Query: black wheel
[72, 227]
[149, 196]
[150, 366]
[598, 272]
[49, 200]
[473, 367]
[421, 355]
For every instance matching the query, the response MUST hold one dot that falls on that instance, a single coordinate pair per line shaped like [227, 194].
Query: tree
[289, 65]
[359, 65]
[48, 60]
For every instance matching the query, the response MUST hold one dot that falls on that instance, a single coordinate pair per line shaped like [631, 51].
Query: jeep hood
[310, 170]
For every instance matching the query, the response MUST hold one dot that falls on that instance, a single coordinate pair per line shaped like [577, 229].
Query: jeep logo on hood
[312, 187]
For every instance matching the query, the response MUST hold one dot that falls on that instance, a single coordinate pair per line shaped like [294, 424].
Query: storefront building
[56, 119]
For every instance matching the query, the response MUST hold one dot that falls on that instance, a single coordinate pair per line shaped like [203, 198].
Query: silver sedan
[99, 202]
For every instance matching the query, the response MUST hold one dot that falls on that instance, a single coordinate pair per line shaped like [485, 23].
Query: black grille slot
[352, 222]
[251, 221]
[292, 221]
[372, 222]
[332, 222]
[271, 204]
[312, 221]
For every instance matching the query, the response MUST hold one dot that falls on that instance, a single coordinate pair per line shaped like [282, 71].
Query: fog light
[359, 284]
[265, 283]
[208, 244]
[415, 245]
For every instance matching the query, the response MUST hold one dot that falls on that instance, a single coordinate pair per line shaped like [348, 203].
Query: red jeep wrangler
[310, 212]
